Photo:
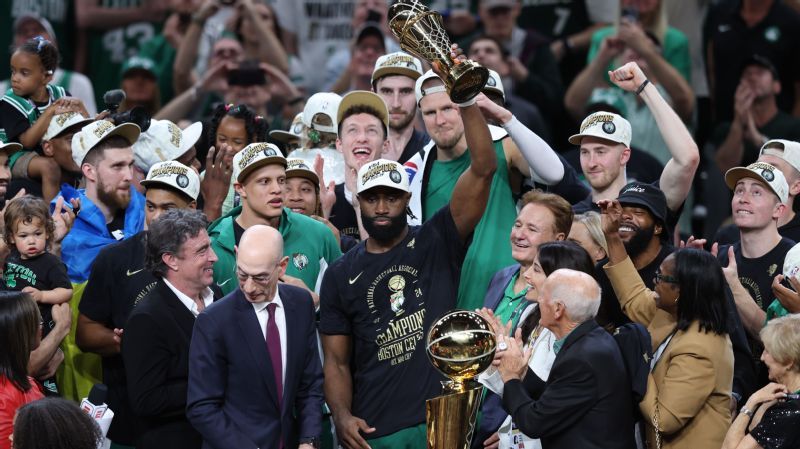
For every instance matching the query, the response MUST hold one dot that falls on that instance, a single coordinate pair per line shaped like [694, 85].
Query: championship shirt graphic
[397, 309]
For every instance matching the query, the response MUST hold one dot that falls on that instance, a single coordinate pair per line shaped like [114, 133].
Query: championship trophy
[461, 345]
[420, 31]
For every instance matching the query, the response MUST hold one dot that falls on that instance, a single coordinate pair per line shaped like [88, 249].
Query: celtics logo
[396, 285]
[767, 174]
[772, 34]
[491, 82]
[609, 127]
[298, 128]
[182, 181]
[269, 152]
[300, 261]
[394, 175]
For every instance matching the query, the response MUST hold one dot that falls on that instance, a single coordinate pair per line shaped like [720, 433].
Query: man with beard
[259, 171]
[393, 79]
[362, 137]
[118, 281]
[379, 300]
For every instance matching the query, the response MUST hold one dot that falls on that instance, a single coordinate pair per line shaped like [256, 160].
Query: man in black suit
[155, 349]
[586, 402]
[255, 377]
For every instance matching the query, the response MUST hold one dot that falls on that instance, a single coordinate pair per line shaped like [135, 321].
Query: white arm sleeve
[546, 167]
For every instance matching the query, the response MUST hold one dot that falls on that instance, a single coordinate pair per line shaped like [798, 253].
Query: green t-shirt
[108, 49]
[490, 250]
[161, 52]
[511, 306]
[674, 49]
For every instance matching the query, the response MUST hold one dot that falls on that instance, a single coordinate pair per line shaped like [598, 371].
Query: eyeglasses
[664, 278]
[261, 279]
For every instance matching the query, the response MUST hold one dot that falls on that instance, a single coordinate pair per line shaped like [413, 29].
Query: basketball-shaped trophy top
[461, 345]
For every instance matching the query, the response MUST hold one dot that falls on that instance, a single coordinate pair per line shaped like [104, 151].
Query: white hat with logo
[788, 150]
[294, 133]
[322, 103]
[175, 175]
[164, 141]
[98, 131]
[254, 156]
[382, 173]
[763, 172]
[495, 84]
[604, 125]
[297, 168]
[429, 75]
[61, 122]
[397, 63]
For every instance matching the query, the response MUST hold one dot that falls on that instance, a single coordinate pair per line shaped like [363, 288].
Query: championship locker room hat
[382, 172]
[787, 150]
[494, 84]
[763, 172]
[164, 141]
[429, 75]
[791, 263]
[175, 175]
[98, 131]
[297, 168]
[604, 125]
[645, 195]
[365, 98]
[397, 63]
[10, 147]
[254, 156]
[294, 133]
[325, 104]
[62, 122]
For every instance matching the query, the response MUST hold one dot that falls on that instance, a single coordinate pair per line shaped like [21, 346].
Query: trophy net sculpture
[420, 31]
[461, 345]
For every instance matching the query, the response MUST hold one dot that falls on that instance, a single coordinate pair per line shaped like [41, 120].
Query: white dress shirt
[207, 295]
[280, 320]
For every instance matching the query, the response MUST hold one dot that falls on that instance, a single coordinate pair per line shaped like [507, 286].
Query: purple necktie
[274, 348]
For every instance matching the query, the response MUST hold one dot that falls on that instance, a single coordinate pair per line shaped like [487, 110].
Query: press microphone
[95, 405]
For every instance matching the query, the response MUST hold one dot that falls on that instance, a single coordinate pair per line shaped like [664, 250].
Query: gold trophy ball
[461, 345]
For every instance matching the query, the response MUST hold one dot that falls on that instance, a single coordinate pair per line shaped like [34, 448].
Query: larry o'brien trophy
[461, 345]
[420, 31]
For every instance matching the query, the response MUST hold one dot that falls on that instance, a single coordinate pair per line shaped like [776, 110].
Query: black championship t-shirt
[343, 215]
[44, 272]
[117, 282]
[756, 274]
[386, 303]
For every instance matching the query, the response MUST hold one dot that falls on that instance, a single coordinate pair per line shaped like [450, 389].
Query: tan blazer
[691, 383]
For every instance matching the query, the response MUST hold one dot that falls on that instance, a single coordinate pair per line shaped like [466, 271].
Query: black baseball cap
[761, 61]
[644, 195]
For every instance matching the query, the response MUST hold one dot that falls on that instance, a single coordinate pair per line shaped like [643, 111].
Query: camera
[247, 74]
[138, 115]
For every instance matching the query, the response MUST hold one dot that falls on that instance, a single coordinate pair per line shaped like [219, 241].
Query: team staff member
[260, 174]
[118, 281]
[376, 377]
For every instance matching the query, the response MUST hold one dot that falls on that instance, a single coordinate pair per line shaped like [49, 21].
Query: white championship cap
[763, 172]
[254, 156]
[382, 172]
[606, 126]
[164, 141]
[61, 122]
[175, 175]
[325, 103]
[98, 131]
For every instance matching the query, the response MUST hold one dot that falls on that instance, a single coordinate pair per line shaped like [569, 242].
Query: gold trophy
[420, 31]
[461, 345]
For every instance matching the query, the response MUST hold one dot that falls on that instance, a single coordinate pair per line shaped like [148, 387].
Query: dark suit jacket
[586, 402]
[155, 350]
[492, 413]
[233, 399]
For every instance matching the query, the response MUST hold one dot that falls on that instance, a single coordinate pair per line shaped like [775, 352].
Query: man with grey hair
[586, 401]
[155, 349]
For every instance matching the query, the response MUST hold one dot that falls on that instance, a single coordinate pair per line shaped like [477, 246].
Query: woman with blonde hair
[587, 231]
[771, 416]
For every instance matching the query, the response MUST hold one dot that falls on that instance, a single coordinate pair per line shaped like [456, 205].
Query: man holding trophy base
[380, 299]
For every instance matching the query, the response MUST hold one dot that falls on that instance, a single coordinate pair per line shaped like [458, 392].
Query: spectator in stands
[140, 83]
[770, 418]
[686, 317]
[587, 231]
[55, 422]
[734, 32]
[20, 333]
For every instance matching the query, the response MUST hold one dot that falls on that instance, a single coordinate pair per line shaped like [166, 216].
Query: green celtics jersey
[490, 249]
[108, 49]
[27, 108]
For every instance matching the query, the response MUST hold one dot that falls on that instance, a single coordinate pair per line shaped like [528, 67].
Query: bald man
[253, 380]
[586, 401]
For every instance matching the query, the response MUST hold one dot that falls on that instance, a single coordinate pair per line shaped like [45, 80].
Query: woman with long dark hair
[687, 403]
[20, 333]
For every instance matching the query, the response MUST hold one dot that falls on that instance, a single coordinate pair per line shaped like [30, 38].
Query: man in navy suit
[255, 378]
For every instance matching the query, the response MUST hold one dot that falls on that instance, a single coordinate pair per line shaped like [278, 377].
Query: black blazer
[233, 398]
[586, 402]
[155, 349]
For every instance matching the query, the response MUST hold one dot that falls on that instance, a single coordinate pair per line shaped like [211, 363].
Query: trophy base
[466, 80]
[451, 419]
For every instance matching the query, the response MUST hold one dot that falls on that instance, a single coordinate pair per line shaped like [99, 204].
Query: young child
[26, 110]
[29, 267]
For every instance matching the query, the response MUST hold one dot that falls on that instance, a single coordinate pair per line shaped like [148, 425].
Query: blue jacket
[89, 233]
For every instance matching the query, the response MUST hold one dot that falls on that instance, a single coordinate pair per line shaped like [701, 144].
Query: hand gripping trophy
[461, 345]
[420, 31]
